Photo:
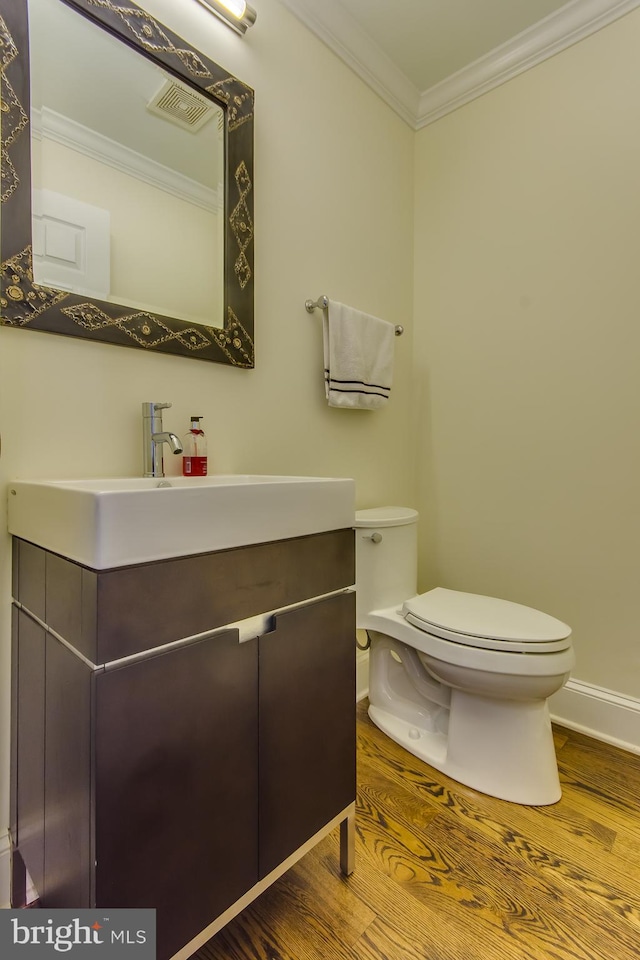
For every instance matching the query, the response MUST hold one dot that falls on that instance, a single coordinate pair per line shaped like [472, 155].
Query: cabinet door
[307, 724]
[28, 731]
[67, 826]
[51, 786]
[176, 784]
[52, 795]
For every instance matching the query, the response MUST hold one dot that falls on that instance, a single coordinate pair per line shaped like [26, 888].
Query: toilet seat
[473, 620]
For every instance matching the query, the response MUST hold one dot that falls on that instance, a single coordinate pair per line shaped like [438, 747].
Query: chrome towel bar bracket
[322, 303]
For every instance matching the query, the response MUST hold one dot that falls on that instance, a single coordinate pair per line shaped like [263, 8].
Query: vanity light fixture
[237, 14]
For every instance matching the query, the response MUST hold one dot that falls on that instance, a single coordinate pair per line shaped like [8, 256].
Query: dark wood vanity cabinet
[183, 776]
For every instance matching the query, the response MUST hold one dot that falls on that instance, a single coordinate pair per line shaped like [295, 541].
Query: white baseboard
[5, 871]
[599, 713]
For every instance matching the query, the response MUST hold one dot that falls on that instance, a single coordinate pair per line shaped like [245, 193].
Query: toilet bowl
[458, 679]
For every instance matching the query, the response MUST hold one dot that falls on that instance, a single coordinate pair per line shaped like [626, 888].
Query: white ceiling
[431, 39]
[427, 57]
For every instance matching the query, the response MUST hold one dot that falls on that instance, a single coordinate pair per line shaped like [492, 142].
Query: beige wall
[334, 209]
[527, 347]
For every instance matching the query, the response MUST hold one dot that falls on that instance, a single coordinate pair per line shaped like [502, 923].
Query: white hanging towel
[358, 358]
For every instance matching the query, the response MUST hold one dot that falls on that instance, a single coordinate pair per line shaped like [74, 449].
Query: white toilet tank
[386, 558]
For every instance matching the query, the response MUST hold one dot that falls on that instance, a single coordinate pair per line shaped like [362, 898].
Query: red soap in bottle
[194, 456]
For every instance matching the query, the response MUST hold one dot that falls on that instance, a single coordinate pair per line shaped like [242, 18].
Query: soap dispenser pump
[194, 458]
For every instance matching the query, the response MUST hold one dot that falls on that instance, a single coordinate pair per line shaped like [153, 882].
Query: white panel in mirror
[71, 244]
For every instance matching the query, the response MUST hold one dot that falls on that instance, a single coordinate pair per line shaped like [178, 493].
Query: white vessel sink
[114, 523]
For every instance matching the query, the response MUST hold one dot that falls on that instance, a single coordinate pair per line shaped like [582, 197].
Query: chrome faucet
[153, 436]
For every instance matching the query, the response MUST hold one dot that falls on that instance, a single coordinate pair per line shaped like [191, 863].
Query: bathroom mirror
[137, 230]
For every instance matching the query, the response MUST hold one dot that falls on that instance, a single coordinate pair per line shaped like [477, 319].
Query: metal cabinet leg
[348, 843]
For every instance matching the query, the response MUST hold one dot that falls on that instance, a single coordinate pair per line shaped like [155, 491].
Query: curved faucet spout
[170, 438]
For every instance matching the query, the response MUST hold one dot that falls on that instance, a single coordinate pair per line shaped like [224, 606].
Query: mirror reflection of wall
[127, 173]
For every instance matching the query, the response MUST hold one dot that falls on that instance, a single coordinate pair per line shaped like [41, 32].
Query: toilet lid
[480, 621]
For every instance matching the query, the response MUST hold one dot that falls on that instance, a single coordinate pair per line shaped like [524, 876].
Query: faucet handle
[149, 408]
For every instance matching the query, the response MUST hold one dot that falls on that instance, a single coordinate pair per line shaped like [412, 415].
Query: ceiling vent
[182, 106]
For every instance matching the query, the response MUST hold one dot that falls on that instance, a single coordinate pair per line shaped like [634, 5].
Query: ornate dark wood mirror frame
[31, 306]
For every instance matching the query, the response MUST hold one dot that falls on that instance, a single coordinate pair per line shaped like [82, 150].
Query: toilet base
[532, 781]
[503, 748]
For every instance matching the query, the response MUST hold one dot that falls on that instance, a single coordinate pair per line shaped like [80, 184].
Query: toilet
[458, 679]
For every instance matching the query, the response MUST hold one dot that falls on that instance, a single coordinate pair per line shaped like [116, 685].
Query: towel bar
[323, 302]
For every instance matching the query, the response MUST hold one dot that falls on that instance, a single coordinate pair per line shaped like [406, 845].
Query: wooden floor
[446, 873]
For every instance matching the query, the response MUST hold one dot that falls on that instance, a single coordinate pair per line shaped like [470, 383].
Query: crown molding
[342, 34]
[69, 133]
[557, 32]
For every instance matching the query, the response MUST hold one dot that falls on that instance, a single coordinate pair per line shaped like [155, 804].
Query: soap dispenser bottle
[194, 456]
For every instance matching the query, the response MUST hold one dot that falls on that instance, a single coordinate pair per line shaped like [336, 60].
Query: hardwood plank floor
[446, 873]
